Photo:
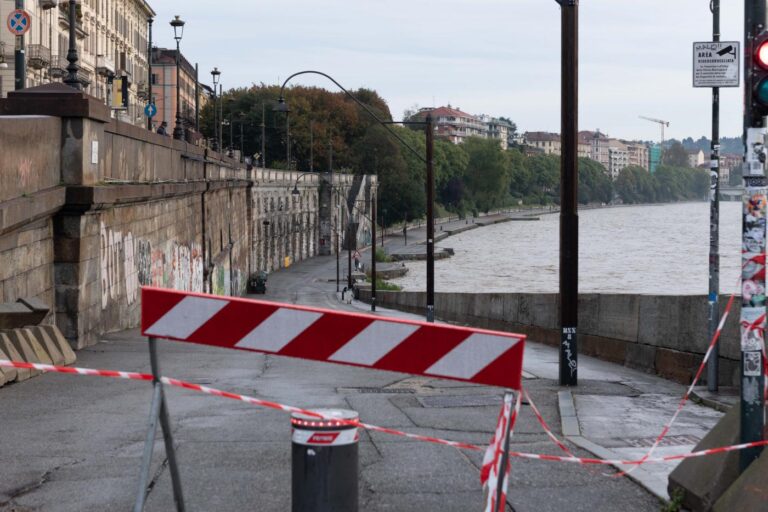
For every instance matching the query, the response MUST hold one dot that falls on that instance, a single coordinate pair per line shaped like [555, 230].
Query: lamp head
[178, 27]
[295, 190]
[281, 106]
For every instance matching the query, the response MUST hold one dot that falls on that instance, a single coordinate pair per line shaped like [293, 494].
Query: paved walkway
[74, 443]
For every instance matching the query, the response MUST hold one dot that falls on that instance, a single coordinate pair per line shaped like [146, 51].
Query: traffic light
[759, 79]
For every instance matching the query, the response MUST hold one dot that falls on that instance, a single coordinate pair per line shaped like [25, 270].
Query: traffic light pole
[753, 238]
[714, 220]
[569, 179]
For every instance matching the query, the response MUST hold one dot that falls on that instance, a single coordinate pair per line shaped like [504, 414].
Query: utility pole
[569, 180]
[263, 139]
[714, 220]
[150, 81]
[20, 60]
[430, 221]
[373, 252]
[753, 229]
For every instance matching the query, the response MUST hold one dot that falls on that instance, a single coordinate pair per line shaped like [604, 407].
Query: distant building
[599, 150]
[585, 144]
[549, 143]
[498, 129]
[618, 157]
[164, 88]
[454, 125]
[638, 154]
[654, 157]
[695, 157]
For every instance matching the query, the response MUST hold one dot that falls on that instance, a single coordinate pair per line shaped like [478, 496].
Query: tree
[487, 178]
[675, 155]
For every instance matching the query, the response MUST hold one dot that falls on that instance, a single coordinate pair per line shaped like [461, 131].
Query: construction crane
[661, 123]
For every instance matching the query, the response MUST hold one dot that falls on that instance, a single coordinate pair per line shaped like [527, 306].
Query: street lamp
[72, 79]
[178, 31]
[282, 106]
[215, 74]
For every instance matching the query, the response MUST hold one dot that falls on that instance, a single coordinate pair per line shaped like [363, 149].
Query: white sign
[716, 64]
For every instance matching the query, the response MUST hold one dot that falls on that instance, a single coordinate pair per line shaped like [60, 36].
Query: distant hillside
[727, 144]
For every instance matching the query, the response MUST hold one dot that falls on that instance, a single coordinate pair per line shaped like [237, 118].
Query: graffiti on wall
[128, 263]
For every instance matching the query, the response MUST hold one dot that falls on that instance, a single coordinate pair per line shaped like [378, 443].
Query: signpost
[716, 64]
[150, 110]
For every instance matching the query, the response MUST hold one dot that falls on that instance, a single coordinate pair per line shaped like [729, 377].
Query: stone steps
[44, 344]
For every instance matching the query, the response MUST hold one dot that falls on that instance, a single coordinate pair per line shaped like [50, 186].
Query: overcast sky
[498, 57]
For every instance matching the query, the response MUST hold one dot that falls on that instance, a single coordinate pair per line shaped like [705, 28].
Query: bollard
[324, 465]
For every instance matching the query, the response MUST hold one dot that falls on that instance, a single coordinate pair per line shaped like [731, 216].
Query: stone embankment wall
[666, 335]
[91, 209]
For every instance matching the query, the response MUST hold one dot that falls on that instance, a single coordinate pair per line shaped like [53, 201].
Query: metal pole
[71, 80]
[349, 248]
[430, 222]
[753, 253]
[311, 148]
[178, 131]
[263, 138]
[287, 141]
[220, 128]
[569, 179]
[20, 61]
[150, 82]
[215, 121]
[197, 98]
[373, 254]
[714, 220]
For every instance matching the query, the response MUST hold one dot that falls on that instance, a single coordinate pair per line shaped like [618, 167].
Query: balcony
[64, 19]
[38, 56]
[59, 66]
[48, 4]
[104, 66]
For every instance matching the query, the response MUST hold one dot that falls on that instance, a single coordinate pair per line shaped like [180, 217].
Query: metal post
[373, 254]
[311, 148]
[20, 61]
[430, 134]
[504, 461]
[263, 138]
[753, 249]
[569, 179]
[178, 131]
[242, 151]
[158, 411]
[349, 248]
[71, 80]
[197, 98]
[220, 128]
[215, 120]
[287, 141]
[150, 82]
[714, 220]
[231, 133]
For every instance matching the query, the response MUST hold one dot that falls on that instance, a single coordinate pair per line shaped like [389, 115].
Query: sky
[495, 57]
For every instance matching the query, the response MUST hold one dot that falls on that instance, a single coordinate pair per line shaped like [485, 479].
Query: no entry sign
[19, 22]
[419, 348]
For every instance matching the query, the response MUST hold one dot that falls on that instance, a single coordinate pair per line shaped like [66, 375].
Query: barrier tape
[287, 408]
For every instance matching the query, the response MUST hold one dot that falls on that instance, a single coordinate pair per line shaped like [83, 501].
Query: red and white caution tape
[287, 408]
[544, 425]
[490, 471]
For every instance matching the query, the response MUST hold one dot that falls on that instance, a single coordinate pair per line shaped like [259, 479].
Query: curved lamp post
[178, 31]
[215, 74]
[282, 106]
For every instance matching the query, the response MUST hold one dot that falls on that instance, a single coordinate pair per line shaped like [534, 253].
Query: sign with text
[716, 64]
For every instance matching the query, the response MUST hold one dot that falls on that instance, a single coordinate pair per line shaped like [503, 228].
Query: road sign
[19, 22]
[150, 110]
[419, 348]
[716, 64]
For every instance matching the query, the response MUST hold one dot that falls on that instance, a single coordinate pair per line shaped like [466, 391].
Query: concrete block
[511, 307]
[58, 338]
[618, 316]
[6, 374]
[589, 309]
[545, 310]
[7, 347]
[50, 347]
[28, 347]
[703, 480]
[693, 317]
[676, 365]
[604, 348]
[641, 357]
[749, 491]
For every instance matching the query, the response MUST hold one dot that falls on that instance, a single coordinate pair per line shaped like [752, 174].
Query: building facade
[549, 143]
[164, 81]
[112, 42]
[456, 126]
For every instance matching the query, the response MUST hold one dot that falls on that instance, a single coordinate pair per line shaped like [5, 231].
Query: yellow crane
[661, 122]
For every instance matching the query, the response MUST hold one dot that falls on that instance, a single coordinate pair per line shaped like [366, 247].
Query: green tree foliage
[487, 176]
[636, 185]
[594, 183]
[675, 155]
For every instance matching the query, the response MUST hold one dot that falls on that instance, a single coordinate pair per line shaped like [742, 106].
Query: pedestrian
[162, 129]
[357, 260]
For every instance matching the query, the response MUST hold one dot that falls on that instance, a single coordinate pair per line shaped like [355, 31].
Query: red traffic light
[761, 54]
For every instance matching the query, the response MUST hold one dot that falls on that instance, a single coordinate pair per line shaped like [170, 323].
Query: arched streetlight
[178, 32]
[282, 106]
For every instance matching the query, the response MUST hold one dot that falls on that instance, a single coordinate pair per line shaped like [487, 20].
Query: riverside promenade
[74, 443]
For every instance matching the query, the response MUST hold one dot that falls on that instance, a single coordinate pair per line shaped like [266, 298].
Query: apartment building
[638, 154]
[112, 40]
[455, 125]
[549, 143]
[164, 81]
[618, 157]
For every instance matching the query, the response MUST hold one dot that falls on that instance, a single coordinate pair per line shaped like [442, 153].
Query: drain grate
[647, 442]
[460, 401]
[378, 390]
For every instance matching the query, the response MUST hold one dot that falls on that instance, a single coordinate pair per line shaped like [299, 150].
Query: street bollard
[324, 465]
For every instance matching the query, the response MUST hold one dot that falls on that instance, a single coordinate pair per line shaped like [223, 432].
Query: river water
[656, 249]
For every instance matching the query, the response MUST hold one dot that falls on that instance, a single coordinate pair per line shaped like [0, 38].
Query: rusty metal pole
[430, 222]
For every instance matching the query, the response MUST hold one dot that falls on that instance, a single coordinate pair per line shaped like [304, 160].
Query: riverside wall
[661, 334]
[92, 208]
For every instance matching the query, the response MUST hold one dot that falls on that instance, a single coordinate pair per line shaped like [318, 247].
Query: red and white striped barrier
[290, 409]
[494, 462]
[419, 348]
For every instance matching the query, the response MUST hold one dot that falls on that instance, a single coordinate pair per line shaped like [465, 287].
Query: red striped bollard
[324, 465]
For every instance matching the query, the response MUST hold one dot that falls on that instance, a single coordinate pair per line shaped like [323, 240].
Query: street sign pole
[569, 179]
[20, 61]
[753, 244]
[714, 220]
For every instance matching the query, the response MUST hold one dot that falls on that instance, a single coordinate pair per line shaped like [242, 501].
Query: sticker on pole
[419, 348]
[716, 64]
[19, 22]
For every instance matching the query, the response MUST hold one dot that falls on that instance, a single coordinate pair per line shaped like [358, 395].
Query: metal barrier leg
[158, 411]
[504, 461]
